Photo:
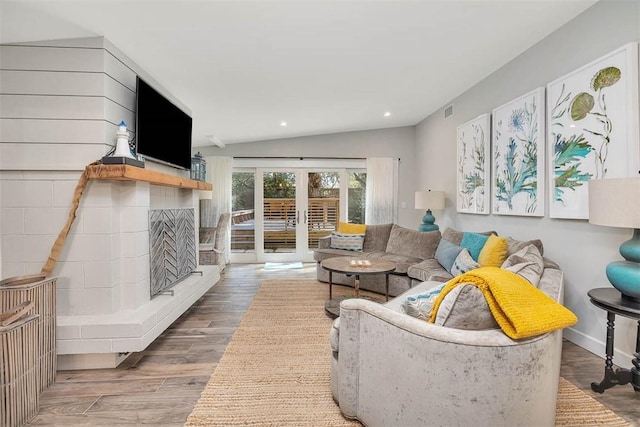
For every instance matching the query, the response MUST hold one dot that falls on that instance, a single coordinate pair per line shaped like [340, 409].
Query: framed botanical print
[592, 116]
[518, 148]
[473, 151]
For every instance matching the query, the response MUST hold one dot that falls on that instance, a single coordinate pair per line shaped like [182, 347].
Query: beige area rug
[276, 369]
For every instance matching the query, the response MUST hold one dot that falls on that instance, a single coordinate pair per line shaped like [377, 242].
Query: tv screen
[163, 131]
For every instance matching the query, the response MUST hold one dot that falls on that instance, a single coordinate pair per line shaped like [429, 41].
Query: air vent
[448, 112]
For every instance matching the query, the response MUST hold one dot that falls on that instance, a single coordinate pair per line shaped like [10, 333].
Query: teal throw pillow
[446, 253]
[474, 242]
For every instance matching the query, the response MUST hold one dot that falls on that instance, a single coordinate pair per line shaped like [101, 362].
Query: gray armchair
[213, 243]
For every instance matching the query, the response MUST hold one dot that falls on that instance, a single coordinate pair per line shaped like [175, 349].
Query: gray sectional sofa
[413, 251]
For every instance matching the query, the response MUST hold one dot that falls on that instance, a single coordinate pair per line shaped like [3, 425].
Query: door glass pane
[242, 215]
[356, 196]
[279, 212]
[324, 205]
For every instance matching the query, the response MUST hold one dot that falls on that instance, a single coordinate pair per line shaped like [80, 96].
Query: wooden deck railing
[280, 217]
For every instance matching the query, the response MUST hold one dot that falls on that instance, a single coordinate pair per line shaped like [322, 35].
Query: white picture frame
[518, 156]
[592, 121]
[473, 166]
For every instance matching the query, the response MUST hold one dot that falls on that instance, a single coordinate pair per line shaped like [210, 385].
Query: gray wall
[581, 249]
[395, 142]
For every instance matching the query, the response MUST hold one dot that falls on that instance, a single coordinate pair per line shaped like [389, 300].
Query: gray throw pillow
[517, 245]
[527, 263]
[447, 253]
[413, 243]
[465, 307]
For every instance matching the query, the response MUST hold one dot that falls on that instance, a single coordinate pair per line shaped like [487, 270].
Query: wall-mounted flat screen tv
[163, 131]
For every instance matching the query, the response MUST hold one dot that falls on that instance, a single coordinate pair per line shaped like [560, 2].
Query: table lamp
[615, 202]
[429, 200]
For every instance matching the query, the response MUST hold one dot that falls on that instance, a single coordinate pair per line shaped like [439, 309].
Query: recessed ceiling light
[283, 124]
[387, 113]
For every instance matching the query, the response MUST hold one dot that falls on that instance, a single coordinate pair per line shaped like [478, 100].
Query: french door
[286, 210]
[281, 216]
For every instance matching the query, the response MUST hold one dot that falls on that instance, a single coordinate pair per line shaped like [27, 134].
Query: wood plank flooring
[160, 385]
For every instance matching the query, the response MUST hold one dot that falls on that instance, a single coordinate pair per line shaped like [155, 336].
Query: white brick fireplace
[60, 107]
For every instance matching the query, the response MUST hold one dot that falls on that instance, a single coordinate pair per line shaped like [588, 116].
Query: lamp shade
[615, 202]
[429, 200]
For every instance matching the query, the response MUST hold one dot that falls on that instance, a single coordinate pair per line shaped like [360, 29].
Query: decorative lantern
[198, 167]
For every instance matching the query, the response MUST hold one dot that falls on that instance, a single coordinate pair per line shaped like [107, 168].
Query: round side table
[612, 301]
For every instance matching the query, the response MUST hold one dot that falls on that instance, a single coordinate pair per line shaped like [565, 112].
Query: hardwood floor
[160, 385]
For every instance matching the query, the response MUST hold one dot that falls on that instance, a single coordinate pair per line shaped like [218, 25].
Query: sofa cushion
[527, 263]
[348, 242]
[413, 243]
[446, 253]
[347, 228]
[429, 269]
[517, 245]
[321, 254]
[465, 307]
[376, 237]
[494, 252]
[403, 262]
[452, 235]
[463, 263]
[474, 242]
[455, 236]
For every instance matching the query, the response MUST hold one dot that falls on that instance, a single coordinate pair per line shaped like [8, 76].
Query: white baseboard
[597, 347]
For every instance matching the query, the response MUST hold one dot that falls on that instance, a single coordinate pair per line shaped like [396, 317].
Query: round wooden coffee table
[354, 267]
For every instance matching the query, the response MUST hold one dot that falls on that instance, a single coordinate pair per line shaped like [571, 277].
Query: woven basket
[19, 382]
[42, 291]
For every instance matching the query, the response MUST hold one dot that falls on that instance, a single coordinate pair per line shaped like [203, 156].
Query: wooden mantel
[132, 173]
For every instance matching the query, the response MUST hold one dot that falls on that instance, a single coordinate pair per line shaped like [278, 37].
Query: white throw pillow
[419, 305]
[464, 262]
[349, 242]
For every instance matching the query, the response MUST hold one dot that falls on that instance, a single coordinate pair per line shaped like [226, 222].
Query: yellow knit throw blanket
[521, 309]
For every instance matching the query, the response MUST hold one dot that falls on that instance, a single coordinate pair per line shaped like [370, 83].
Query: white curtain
[219, 171]
[382, 190]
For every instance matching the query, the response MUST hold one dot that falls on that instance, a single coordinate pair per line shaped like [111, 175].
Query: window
[356, 196]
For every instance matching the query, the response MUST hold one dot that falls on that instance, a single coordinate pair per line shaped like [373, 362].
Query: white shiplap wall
[60, 103]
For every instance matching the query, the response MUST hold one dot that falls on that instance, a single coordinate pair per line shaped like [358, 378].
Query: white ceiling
[322, 66]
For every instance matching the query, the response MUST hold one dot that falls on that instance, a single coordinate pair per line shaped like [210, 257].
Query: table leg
[386, 287]
[356, 285]
[635, 371]
[611, 377]
[330, 283]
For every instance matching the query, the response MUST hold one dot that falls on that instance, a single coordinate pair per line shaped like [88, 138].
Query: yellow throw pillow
[346, 228]
[494, 252]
